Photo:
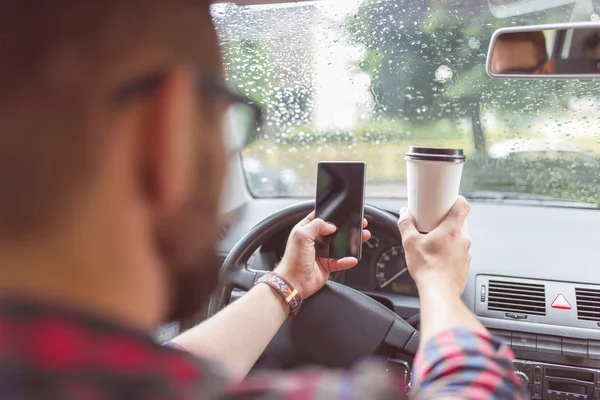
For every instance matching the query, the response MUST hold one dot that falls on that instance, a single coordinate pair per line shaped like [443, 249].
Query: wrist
[284, 289]
[286, 273]
[438, 285]
[276, 297]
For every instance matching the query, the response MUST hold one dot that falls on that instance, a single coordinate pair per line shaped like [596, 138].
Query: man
[522, 53]
[591, 45]
[112, 163]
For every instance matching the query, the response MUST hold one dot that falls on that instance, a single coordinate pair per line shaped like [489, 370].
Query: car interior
[362, 80]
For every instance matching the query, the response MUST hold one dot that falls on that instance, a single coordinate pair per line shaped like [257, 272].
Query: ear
[168, 146]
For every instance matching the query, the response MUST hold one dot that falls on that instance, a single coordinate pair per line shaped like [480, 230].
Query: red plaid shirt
[49, 353]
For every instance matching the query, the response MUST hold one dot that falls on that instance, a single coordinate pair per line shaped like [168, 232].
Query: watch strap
[285, 289]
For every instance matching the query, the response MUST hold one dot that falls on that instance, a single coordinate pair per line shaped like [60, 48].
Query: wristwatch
[285, 289]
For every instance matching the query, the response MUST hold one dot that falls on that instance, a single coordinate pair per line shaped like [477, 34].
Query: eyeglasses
[524, 71]
[244, 116]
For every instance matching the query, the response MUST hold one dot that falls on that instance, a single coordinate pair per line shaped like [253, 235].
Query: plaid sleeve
[466, 365]
[457, 364]
[174, 345]
[369, 380]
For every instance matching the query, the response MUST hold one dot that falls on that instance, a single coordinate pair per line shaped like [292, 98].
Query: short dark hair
[60, 60]
[537, 38]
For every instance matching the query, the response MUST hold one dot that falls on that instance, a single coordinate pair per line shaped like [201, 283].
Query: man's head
[111, 153]
[521, 53]
[591, 45]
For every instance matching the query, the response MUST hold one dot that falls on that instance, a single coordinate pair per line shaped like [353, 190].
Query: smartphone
[340, 200]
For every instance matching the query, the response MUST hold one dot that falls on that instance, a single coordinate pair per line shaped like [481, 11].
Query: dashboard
[534, 281]
[527, 259]
[510, 240]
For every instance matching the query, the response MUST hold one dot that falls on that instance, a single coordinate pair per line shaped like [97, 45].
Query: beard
[187, 246]
[191, 288]
[188, 240]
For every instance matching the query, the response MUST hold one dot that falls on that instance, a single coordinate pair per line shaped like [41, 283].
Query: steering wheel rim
[236, 274]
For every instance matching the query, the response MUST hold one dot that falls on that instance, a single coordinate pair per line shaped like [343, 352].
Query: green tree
[249, 68]
[395, 60]
[472, 91]
[427, 62]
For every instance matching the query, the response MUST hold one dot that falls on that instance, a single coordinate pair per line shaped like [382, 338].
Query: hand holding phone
[301, 267]
[340, 200]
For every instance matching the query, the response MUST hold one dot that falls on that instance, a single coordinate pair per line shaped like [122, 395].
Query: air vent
[588, 304]
[514, 297]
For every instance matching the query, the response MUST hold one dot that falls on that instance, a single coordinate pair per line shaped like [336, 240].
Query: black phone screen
[340, 200]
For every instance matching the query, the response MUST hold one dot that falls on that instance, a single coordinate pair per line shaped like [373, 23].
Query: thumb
[342, 264]
[317, 227]
[406, 224]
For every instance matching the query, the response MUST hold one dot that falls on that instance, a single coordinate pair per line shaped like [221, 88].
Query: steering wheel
[338, 325]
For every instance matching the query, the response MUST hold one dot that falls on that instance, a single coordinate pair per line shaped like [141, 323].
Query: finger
[310, 217]
[465, 230]
[366, 235]
[365, 223]
[342, 264]
[317, 227]
[406, 225]
[456, 217]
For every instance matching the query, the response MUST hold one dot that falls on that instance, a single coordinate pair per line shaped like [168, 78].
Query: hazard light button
[561, 303]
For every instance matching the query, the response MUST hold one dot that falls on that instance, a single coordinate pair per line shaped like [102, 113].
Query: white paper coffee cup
[433, 182]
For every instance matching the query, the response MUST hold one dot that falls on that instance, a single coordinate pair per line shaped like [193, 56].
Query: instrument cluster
[382, 268]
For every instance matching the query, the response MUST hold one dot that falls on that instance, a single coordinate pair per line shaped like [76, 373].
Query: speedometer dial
[392, 274]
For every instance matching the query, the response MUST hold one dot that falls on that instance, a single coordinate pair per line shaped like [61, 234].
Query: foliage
[373, 131]
[249, 68]
[557, 178]
[428, 62]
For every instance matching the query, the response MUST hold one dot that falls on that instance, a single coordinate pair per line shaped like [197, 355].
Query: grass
[385, 160]
[386, 164]
[380, 143]
[383, 143]
[590, 143]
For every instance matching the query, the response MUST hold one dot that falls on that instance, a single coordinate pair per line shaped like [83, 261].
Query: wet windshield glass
[363, 80]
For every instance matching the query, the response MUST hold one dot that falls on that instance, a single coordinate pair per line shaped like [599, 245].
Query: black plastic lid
[417, 153]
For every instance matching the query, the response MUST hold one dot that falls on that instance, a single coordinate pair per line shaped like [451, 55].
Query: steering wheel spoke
[403, 336]
[259, 274]
[243, 278]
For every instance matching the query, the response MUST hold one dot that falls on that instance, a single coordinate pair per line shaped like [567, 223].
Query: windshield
[363, 80]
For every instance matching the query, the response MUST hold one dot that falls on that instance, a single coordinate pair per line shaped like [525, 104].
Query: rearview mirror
[556, 51]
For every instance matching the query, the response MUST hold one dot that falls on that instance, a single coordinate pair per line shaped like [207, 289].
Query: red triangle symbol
[561, 303]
